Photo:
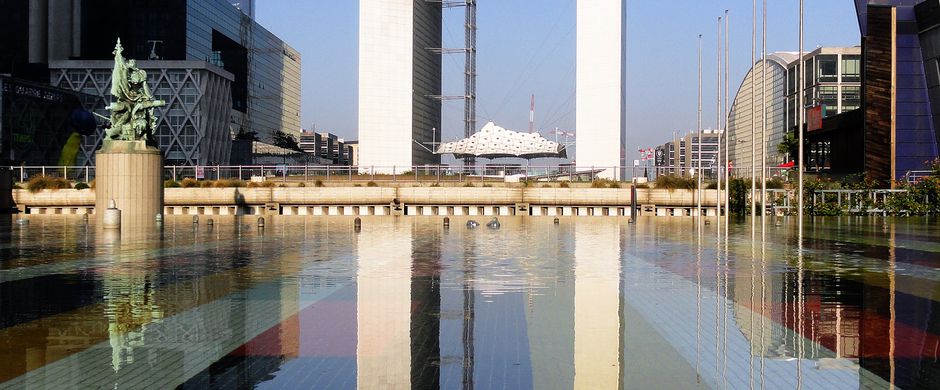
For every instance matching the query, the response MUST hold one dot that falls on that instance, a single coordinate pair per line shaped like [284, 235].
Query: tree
[286, 141]
[246, 135]
[789, 146]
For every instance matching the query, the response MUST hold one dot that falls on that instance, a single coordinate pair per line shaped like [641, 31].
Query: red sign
[814, 116]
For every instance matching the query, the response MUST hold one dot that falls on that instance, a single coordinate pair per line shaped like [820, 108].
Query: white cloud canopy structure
[495, 142]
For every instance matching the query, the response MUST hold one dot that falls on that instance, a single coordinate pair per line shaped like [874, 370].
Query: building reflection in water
[383, 302]
[597, 303]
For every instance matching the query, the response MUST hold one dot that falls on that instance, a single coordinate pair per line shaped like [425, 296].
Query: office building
[265, 86]
[833, 86]
[193, 127]
[327, 149]
[398, 75]
[38, 123]
[742, 120]
[681, 157]
[601, 52]
[900, 86]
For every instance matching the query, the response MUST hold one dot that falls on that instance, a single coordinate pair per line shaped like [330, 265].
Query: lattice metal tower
[470, 65]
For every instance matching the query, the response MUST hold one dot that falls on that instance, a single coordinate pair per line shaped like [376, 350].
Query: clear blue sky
[528, 47]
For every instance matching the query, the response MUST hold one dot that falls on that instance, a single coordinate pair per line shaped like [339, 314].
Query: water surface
[588, 303]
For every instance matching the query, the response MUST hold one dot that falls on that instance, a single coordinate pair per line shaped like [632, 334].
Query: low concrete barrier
[378, 201]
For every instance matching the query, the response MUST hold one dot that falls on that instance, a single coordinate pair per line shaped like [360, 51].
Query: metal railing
[307, 173]
[914, 177]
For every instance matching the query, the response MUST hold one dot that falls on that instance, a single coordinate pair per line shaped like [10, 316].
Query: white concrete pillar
[599, 110]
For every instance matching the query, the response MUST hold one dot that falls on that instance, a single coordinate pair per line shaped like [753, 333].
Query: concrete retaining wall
[376, 201]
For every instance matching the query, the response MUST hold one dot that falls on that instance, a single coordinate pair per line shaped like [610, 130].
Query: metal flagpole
[718, 126]
[753, 114]
[698, 194]
[800, 121]
[727, 107]
[763, 104]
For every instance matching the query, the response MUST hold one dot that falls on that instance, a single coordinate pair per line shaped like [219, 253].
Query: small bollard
[493, 224]
[158, 218]
[708, 223]
[210, 222]
[261, 222]
[112, 216]
[357, 224]
[630, 221]
[557, 221]
[85, 219]
[22, 221]
[471, 224]
[446, 222]
[195, 219]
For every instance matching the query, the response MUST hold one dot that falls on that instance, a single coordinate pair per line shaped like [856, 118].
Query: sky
[527, 47]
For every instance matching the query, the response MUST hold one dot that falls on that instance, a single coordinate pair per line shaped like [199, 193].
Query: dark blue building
[900, 85]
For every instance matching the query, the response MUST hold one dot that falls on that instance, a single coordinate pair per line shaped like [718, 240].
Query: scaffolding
[470, 65]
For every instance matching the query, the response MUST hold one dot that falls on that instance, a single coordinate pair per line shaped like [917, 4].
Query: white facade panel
[600, 122]
[386, 34]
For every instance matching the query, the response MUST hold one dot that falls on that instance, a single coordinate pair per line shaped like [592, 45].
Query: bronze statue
[132, 117]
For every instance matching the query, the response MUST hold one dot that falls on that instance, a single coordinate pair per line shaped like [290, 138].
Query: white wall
[600, 123]
[386, 34]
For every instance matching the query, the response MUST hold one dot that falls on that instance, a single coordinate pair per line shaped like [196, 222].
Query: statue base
[130, 173]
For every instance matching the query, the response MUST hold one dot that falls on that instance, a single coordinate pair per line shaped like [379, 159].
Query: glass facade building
[265, 89]
[832, 82]
[901, 86]
[742, 120]
[192, 129]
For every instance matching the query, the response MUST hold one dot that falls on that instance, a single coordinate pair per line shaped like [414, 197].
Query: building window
[851, 98]
[829, 99]
[851, 69]
[828, 68]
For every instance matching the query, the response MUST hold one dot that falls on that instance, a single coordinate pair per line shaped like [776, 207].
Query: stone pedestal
[131, 173]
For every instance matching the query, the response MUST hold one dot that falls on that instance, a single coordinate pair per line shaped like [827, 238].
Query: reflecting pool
[404, 302]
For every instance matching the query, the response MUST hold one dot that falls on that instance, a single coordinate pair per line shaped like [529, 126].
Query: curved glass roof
[495, 142]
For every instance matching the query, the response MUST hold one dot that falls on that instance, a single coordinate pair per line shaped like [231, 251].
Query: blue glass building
[901, 85]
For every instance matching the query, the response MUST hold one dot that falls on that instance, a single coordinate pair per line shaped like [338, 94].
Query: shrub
[206, 184]
[605, 183]
[546, 186]
[487, 185]
[564, 184]
[264, 184]
[189, 183]
[17, 187]
[301, 184]
[171, 184]
[318, 183]
[39, 183]
[371, 184]
[81, 186]
[228, 183]
[674, 182]
[468, 184]
[92, 183]
[775, 183]
[435, 185]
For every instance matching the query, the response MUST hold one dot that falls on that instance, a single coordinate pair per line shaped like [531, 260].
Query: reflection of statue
[132, 116]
